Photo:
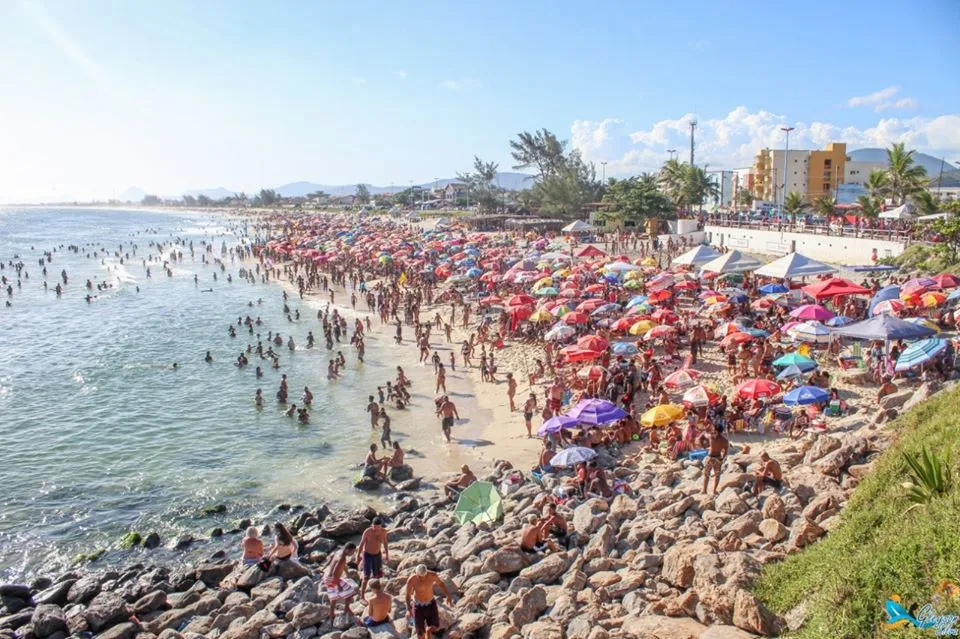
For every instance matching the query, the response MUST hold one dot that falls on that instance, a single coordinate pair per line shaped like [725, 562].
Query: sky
[97, 96]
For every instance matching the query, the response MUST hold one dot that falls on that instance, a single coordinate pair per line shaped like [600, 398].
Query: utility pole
[604, 165]
[940, 179]
[671, 153]
[693, 126]
[786, 154]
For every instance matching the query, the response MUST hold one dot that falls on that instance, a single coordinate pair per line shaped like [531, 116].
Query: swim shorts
[447, 423]
[372, 565]
[426, 616]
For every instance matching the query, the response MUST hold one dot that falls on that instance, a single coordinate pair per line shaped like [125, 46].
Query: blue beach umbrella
[624, 349]
[772, 289]
[474, 272]
[804, 395]
[891, 292]
[920, 353]
[573, 456]
[790, 372]
[640, 299]
[838, 321]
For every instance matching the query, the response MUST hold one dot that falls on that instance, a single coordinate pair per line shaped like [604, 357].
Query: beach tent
[794, 265]
[903, 212]
[700, 254]
[590, 251]
[833, 287]
[732, 262]
[577, 227]
[884, 327]
[479, 503]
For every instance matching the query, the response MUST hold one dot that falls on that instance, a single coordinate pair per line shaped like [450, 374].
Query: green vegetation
[480, 185]
[130, 540]
[879, 549]
[931, 479]
[795, 205]
[635, 199]
[88, 556]
[687, 186]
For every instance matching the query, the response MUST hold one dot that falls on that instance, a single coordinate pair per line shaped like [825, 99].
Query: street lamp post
[671, 152]
[786, 153]
[604, 178]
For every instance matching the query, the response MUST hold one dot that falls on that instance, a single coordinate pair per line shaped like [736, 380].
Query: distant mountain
[509, 181]
[950, 179]
[214, 194]
[879, 156]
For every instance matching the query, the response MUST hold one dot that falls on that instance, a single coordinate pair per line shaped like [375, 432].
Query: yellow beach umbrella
[541, 316]
[648, 261]
[642, 327]
[662, 415]
[633, 275]
[543, 281]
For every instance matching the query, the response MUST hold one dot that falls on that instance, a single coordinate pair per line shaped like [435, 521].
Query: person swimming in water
[258, 398]
[307, 396]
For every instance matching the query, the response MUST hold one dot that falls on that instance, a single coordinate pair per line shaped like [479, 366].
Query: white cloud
[453, 85]
[882, 100]
[400, 74]
[733, 140]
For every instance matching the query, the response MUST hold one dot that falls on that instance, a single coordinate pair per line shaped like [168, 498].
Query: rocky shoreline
[667, 562]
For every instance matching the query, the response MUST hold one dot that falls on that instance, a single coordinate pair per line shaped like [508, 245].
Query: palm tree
[905, 175]
[925, 202]
[878, 184]
[794, 204]
[745, 197]
[869, 206]
[672, 180]
[825, 205]
[700, 185]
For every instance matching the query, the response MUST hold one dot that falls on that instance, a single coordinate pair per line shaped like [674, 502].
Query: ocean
[100, 435]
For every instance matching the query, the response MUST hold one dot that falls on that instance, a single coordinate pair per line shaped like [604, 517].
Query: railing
[815, 228]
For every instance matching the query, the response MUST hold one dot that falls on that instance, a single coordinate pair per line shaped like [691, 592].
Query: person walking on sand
[447, 412]
[421, 601]
[441, 378]
[719, 448]
[529, 408]
[511, 391]
[373, 551]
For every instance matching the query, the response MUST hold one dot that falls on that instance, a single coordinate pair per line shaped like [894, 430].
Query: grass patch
[923, 258]
[877, 550]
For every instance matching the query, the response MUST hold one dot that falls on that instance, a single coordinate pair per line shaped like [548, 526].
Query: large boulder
[48, 619]
[823, 445]
[679, 559]
[720, 631]
[530, 605]
[345, 526]
[773, 530]
[751, 615]
[471, 546]
[105, 610]
[84, 590]
[306, 614]
[302, 591]
[149, 602]
[660, 627]
[730, 502]
[922, 394]
[505, 561]
[250, 629]
[804, 532]
[55, 594]
[601, 543]
[546, 571]
[125, 630]
[589, 516]
[212, 574]
[774, 508]
[400, 473]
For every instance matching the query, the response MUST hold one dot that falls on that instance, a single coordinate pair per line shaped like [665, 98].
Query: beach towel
[340, 589]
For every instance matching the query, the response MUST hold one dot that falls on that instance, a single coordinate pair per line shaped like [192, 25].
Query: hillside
[930, 163]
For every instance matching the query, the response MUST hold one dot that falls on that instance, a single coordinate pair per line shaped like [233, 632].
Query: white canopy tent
[732, 262]
[577, 227]
[700, 254]
[903, 212]
[793, 266]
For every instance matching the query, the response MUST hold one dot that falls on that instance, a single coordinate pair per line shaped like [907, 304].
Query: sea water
[100, 435]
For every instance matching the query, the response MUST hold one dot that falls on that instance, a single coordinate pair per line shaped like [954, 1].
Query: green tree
[825, 205]
[700, 185]
[481, 187]
[869, 206]
[203, 200]
[925, 202]
[906, 177]
[362, 193]
[189, 200]
[878, 184]
[634, 199]
[672, 178]
[744, 197]
[540, 150]
[794, 204]
[266, 197]
[948, 229]
[686, 185]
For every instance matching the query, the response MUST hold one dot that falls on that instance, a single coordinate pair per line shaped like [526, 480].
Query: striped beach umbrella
[920, 353]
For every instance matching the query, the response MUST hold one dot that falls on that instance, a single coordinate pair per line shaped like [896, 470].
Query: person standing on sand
[447, 412]
[511, 391]
[421, 602]
[441, 378]
[374, 409]
[556, 396]
[717, 453]
[529, 408]
[373, 551]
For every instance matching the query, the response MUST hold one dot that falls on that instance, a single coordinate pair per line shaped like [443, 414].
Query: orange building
[826, 170]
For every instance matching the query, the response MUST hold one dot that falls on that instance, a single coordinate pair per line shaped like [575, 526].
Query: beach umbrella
[492, 300]
[591, 372]
[790, 372]
[686, 285]
[699, 396]
[648, 261]
[664, 316]
[659, 332]
[796, 359]
[559, 333]
[923, 321]
[596, 412]
[575, 318]
[946, 280]
[727, 328]
[803, 395]
[635, 300]
[770, 289]
[681, 378]
[662, 415]
[555, 424]
[479, 503]
[641, 327]
[893, 307]
[715, 299]
[624, 349]
[545, 291]
[633, 284]
[920, 353]
[623, 324]
[954, 295]
[932, 299]
[812, 331]
[593, 343]
[918, 285]
[590, 305]
[621, 267]
[736, 338]
[572, 456]
[811, 312]
[520, 313]
[660, 296]
[755, 388]
[838, 321]
[541, 316]
[520, 300]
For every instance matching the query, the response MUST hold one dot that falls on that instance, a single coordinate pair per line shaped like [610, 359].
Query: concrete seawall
[827, 248]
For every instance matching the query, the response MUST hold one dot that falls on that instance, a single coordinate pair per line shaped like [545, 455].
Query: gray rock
[48, 619]
[55, 594]
[105, 610]
[150, 602]
[20, 591]
[152, 541]
[17, 620]
[212, 574]
[84, 590]
[126, 630]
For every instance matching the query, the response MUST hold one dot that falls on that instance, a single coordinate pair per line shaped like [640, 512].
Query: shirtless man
[447, 411]
[421, 602]
[719, 448]
[556, 396]
[531, 536]
[374, 409]
[455, 487]
[379, 606]
[511, 391]
[338, 588]
[529, 408]
[769, 474]
[372, 544]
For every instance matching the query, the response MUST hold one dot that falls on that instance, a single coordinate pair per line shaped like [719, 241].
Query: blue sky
[99, 96]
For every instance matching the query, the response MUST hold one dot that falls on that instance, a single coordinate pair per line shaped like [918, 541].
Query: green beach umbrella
[478, 503]
[796, 359]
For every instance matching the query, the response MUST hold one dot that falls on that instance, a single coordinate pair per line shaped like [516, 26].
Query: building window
[827, 162]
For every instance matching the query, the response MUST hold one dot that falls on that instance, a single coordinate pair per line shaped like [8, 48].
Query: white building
[859, 172]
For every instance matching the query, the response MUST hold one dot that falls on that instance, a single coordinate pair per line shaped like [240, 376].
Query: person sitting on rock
[466, 478]
[252, 547]
[769, 474]
[532, 539]
[553, 524]
[379, 606]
